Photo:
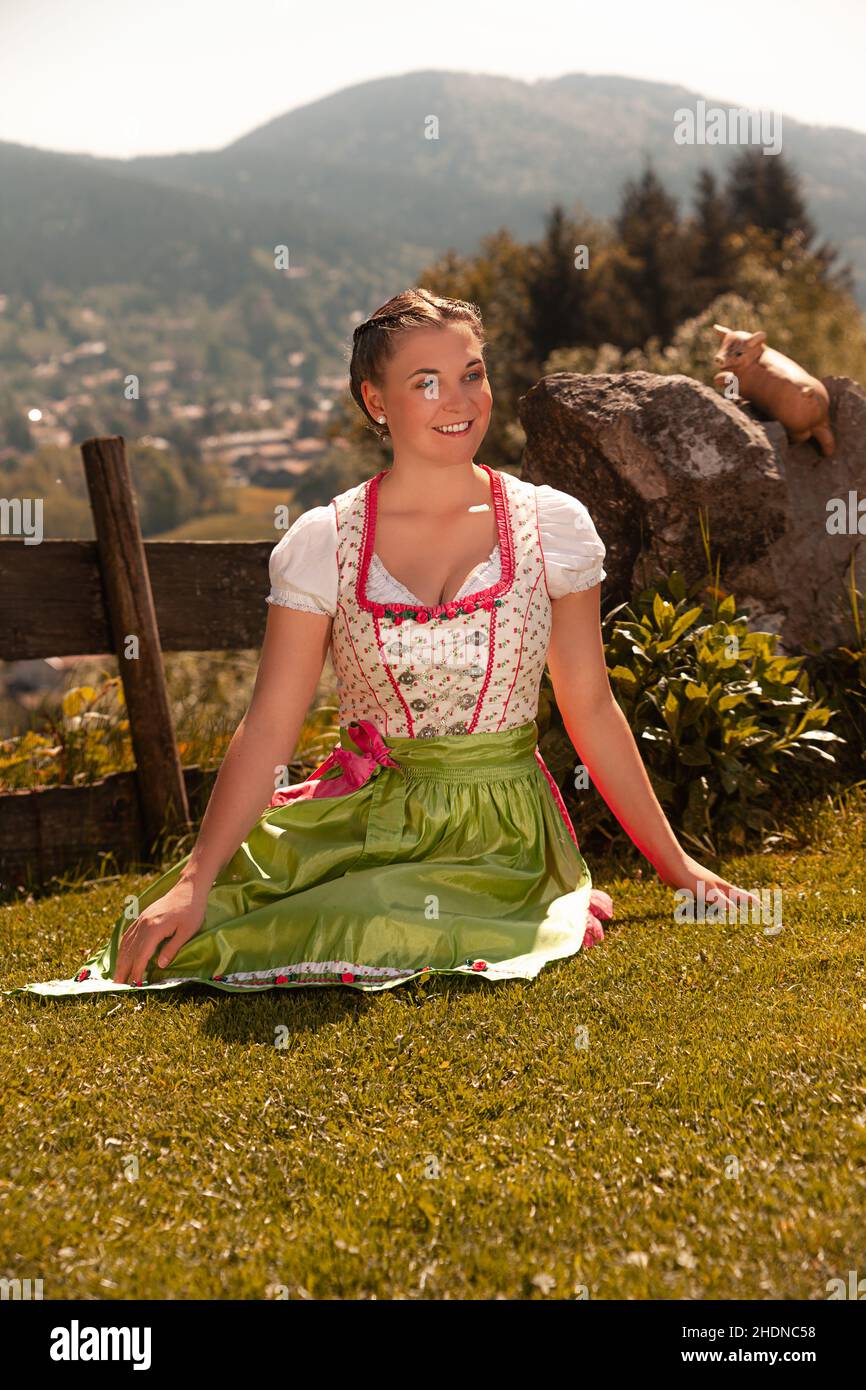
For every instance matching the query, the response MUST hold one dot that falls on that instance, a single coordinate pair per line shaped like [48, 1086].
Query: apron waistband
[458, 757]
[363, 754]
[449, 758]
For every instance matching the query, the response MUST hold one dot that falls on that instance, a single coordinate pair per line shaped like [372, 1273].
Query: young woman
[433, 838]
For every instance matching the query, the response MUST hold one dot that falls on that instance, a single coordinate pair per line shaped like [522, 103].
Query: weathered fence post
[132, 618]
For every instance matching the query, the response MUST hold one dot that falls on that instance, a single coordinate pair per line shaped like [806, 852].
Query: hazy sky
[124, 77]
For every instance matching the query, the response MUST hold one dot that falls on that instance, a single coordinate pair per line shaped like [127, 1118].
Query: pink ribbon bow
[357, 767]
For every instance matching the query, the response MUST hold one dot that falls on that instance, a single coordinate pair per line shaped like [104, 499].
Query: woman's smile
[462, 427]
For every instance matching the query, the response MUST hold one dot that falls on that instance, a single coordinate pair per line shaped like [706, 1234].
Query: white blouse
[304, 574]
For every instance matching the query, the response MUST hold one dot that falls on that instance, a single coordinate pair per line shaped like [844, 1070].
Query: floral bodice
[469, 666]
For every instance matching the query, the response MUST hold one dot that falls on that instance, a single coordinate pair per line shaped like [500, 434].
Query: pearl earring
[381, 419]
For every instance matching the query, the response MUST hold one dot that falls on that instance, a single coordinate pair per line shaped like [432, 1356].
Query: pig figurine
[778, 385]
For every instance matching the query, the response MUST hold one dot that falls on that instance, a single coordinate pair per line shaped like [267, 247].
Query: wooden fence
[136, 599]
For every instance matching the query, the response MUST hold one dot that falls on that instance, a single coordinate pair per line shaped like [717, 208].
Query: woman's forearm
[291, 664]
[608, 751]
[244, 785]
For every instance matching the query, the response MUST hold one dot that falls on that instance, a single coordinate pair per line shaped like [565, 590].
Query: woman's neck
[431, 488]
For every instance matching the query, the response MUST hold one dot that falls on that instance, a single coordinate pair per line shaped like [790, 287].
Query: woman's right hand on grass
[167, 923]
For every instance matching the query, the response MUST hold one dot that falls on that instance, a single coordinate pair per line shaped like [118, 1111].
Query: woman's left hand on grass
[687, 874]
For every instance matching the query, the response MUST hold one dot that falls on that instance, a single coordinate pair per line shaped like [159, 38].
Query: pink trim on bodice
[450, 609]
[468, 666]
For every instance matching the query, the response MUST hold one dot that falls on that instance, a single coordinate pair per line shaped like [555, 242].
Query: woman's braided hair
[373, 340]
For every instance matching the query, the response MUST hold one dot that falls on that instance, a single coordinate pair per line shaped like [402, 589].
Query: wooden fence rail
[119, 594]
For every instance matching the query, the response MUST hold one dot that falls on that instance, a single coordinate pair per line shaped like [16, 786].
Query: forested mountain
[353, 179]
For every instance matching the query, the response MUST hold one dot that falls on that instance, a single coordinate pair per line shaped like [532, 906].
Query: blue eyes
[424, 383]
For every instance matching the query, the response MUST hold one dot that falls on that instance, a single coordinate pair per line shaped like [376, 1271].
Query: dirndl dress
[433, 839]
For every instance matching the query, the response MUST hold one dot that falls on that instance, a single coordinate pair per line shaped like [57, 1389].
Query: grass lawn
[455, 1140]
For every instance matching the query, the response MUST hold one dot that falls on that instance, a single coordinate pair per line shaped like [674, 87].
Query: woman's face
[436, 377]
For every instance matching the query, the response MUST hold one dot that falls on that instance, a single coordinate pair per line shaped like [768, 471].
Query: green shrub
[722, 721]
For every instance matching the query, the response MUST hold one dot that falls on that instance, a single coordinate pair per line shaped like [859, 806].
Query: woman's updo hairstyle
[373, 340]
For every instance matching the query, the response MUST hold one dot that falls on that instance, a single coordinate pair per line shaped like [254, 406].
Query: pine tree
[764, 192]
[658, 272]
[715, 259]
[558, 292]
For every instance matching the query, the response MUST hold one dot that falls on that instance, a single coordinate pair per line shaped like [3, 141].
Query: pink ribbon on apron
[358, 767]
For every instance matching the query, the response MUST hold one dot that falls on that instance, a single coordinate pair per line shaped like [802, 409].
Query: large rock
[646, 452]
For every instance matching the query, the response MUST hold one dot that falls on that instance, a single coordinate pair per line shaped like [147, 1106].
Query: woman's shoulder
[315, 527]
[320, 517]
[303, 563]
[353, 494]
[314, 533]
[572, 548]
[556, 508]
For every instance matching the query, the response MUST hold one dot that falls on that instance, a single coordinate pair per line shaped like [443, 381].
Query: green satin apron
[458, 861]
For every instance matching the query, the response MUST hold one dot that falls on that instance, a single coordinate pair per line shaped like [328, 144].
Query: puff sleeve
[303, 564]
[572, 548]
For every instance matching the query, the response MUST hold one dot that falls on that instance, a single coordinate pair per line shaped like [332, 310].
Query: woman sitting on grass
[433, 839]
